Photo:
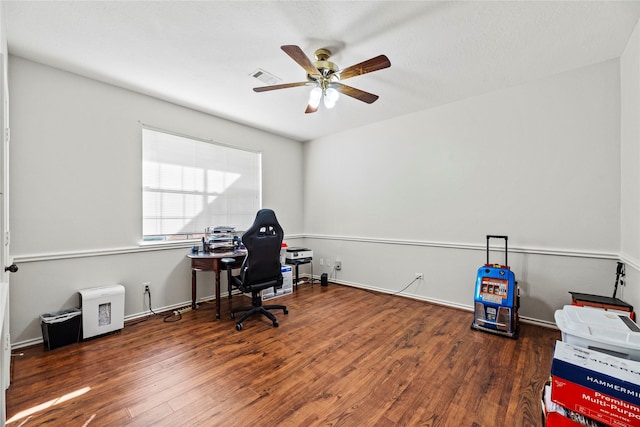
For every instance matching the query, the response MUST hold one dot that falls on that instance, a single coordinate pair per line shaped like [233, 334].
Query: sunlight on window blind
[190, 184]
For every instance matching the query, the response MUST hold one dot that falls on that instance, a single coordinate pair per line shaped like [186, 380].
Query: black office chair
[261, 267]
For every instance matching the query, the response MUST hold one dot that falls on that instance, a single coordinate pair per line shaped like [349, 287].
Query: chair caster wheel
[239, 326]
[285, 311]
[275, 324]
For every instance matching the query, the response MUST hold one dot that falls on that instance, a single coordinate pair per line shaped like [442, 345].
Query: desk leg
[193, 288]
[217, 273]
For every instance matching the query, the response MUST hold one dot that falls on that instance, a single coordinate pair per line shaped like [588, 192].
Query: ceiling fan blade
[303, 60]
[281, 86]
[373, 64]
[358, 94]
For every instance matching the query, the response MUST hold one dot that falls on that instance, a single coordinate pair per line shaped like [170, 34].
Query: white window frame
[190, 183]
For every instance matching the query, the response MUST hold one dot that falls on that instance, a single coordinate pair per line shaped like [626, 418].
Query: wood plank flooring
[341, 357]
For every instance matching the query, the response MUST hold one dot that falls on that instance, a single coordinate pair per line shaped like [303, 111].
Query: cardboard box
[595, 369]
[597, 385]
[286, 289]
[555, 415]
[287, 285]
[594, 404]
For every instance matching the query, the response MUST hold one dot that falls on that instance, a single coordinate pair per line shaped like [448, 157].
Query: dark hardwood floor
[341, 357]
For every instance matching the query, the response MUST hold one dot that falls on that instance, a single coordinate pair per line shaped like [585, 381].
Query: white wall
[630, 166]
[538, 162]
[76, 191]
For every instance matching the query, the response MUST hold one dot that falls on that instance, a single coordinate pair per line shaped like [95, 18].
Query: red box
[597, 385]
[555, 415]
[594, 404]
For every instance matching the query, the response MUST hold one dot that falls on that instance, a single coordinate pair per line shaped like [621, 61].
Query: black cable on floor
[153, 313]
[167, 317]
[170, 315]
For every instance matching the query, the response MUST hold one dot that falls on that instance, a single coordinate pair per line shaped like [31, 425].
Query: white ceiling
[201, 54]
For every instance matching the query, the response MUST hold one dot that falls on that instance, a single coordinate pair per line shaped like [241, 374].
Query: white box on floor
[102, 310]
[287, 285]
[607, 331]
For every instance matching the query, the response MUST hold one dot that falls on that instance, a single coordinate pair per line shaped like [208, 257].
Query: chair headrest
[266, 216]
[265, 224]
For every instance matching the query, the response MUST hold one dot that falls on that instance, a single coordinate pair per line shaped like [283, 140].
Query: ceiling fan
[325, 77]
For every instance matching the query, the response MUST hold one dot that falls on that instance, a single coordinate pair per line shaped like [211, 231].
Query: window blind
[189, 184]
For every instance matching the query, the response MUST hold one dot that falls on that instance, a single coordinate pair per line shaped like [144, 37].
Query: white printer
[297, 255]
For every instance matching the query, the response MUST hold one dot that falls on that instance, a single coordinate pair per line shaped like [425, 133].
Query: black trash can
[61, 328]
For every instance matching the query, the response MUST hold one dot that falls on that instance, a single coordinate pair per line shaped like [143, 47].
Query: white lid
[101, 291]
[598, 325]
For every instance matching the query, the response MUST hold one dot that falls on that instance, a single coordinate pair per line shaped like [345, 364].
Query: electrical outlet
[338, 264]
[146, 287]
[419, 276]
[321, 261]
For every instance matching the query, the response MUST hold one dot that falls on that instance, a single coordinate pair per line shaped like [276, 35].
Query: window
[190, 184]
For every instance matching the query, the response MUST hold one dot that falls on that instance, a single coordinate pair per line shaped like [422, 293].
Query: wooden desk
[211, 262]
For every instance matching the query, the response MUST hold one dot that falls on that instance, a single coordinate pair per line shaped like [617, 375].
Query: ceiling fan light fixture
[315, 96]
[324, 75]
[330, 97]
